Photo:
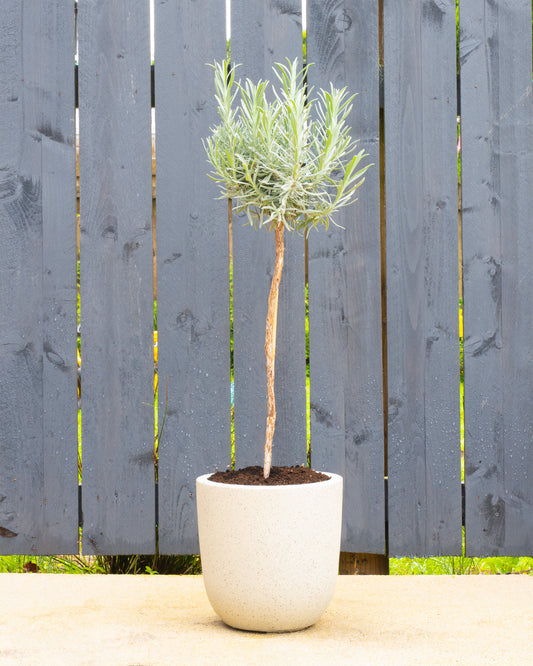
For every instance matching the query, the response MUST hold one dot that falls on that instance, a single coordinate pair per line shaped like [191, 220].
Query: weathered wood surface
[345, 286]
[363, 564]
[192, 268]
[116, 278]
[422, 278]
[38, 442]
[497, 196]
[263, 33]
[38, 425]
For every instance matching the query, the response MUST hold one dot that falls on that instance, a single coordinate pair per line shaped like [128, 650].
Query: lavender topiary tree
[290, 163]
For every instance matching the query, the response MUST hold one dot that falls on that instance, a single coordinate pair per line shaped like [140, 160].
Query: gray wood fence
[384, 408]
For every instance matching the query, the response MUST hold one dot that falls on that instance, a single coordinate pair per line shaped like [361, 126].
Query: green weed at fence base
[461, 566]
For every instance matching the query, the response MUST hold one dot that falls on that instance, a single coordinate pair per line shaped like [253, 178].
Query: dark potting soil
[279, 476]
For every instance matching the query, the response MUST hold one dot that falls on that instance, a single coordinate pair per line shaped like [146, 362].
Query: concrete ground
[53, 620]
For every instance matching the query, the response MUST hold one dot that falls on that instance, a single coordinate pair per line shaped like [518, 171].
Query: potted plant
[270, 537]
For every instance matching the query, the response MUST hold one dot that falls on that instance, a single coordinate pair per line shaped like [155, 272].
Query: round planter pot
[270, 554]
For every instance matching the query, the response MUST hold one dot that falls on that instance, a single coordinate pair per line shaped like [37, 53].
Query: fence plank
[116, 277]
[422, 278]
[38, 444]
[264, 33]
[345, 286]
[193, 268]
[497, 196]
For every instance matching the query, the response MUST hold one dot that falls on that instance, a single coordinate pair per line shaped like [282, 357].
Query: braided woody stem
[270, 347]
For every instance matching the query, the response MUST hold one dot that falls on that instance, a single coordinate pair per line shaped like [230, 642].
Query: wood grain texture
[38, 425]
[422, 278]
[497, 196]
[116, 278]
[363, 564]
[264, 33]
[38, 445]
[193, 267]
[345, 286]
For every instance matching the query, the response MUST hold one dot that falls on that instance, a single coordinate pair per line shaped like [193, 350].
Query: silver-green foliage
[288, 160]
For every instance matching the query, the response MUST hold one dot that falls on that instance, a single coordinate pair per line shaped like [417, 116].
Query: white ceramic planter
[270, 554]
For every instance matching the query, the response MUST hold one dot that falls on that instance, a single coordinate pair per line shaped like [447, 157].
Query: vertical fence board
[192, 267]
[264, 33]
[422, 278]
[116, 278]
[497, 198]
[60, 504]
[345, 286]
[38, 445]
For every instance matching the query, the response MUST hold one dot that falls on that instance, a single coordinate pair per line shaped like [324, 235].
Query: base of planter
[270, 554]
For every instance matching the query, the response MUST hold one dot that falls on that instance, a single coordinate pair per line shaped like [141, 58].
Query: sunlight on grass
[461, 566]
[74, 564]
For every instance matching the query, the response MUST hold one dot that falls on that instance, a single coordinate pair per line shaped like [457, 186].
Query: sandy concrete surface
[166, 620]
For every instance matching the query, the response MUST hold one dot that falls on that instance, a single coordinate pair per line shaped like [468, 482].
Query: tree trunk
[270, 347]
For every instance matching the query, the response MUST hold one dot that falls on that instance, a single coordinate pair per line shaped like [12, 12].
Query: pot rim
[333, 477]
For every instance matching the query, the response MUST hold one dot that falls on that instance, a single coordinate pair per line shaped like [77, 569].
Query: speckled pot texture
[270, 554]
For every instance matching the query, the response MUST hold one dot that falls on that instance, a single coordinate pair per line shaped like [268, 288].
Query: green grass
[107, 564]
[461, 566]
[71, 564]
[153, 564]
